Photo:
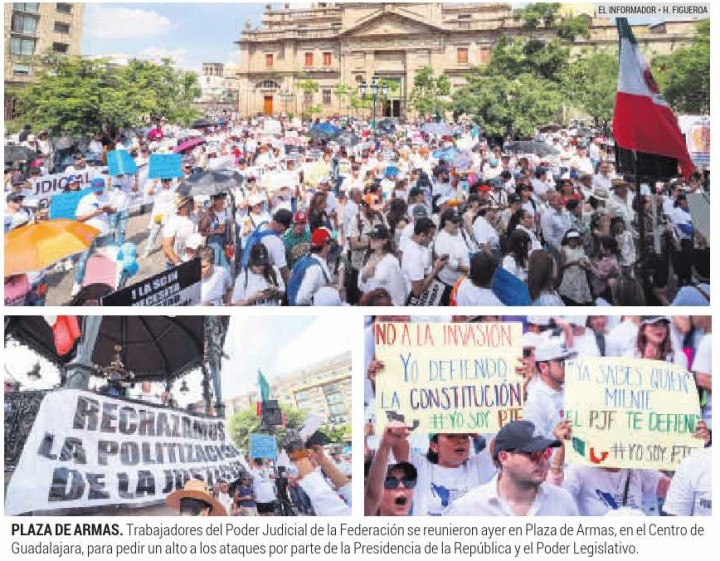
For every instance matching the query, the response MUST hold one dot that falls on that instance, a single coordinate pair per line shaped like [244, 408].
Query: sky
[273, 344]
[189, 33]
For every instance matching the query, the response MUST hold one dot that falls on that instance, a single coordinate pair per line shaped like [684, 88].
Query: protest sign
[86, 450]
[699, 205]
[449, 377]
[263, 446]
[630, 413]
[165, 166]
[179, 286]
[47, 186]
[63, 205]
[120, 162]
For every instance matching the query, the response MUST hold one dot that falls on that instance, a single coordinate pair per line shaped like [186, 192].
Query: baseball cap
[520, 436]
[419, 211]
[98, 183]
[514, 199]
[553, 349]
[194, 241]
[649, 320]
[578, 321]
[320, 237]
[300, 217]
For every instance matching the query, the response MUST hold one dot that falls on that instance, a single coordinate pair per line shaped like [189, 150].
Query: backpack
[254, 238]
[298, 274]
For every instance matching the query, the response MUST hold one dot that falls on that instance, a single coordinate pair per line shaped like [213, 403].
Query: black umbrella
[209, 183]
[19, 154]
[550, 127]
[153, 348]
[202, 123]
[347, 138]
[530, 147]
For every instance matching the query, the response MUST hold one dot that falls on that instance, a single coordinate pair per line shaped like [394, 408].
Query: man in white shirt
[93, 209]
[545, 399]
[416, 260]
[690, 492]
[519, 489]
[555, 222]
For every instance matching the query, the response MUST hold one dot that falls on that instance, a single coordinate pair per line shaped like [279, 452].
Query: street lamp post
[375, 90]
[286, 96]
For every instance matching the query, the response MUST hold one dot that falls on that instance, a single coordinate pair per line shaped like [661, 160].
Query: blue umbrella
[440, 129]
[447, 154]
[327, 128]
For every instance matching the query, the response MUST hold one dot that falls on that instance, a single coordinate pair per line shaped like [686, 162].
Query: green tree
[339, 434]
[684, 75]
[342, 91]
[308, 87]
[426, 96]
[592, 84]
[547, 16]
[509, 105]
[246, 422]
[80, 96]
[357, 102]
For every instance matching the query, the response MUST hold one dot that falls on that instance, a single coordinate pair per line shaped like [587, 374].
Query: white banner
[88, 450]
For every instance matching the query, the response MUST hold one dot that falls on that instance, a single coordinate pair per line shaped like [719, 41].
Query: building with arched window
[345, 44]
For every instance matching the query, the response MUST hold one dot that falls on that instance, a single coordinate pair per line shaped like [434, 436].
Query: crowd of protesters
[402, 213]
[517, 471]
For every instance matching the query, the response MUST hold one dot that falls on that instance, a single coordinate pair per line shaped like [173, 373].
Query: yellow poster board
[630, 413]
[449, 377]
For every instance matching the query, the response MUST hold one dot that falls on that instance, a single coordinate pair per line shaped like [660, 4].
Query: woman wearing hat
[260, 283]
[216, 226]
[381, 268]
[195, 500]
[655, 341]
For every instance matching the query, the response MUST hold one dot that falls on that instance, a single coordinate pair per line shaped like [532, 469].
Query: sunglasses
[534, 456]
[394, 482]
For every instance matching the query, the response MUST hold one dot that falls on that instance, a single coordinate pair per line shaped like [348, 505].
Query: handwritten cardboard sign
[630, 413]
[449, 377]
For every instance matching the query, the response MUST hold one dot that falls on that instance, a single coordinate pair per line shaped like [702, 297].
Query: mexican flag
[643, 120]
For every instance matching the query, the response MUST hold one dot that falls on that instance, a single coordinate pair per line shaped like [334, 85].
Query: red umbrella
[189, 144]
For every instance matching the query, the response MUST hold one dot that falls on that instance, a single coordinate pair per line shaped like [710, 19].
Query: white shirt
[90, 203]
[388, 276]
[164, 205]
[263, 486]
[324, 500]
[598, 491]
[455, 247]
[276, 249]
[485, 234]
[255, 283]
[315, 278]
[470, 295]
[213, 288]
[511, 266]
[690, 492]
[437, 487]
[180, 228]
[544, 408]
[485, 501]
[621, 339]
[415, 263]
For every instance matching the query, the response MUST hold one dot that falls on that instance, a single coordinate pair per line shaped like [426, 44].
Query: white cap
[552, 349]
[530, 339]
[539, 320]
[255, 199]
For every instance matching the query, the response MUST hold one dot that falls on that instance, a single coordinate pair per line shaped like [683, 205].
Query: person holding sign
[163, 209]
[420, 273]
[94, 209]
[519, 488]
[195, 500]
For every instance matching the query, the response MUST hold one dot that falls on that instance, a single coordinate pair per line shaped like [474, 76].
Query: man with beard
[519, 489]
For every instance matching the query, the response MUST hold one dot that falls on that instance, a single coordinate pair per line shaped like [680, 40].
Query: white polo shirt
[690, 493]
[544, 408]
[485, 501]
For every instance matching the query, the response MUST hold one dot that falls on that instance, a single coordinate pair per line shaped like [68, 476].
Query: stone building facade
[33, 29]
[350, 43]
